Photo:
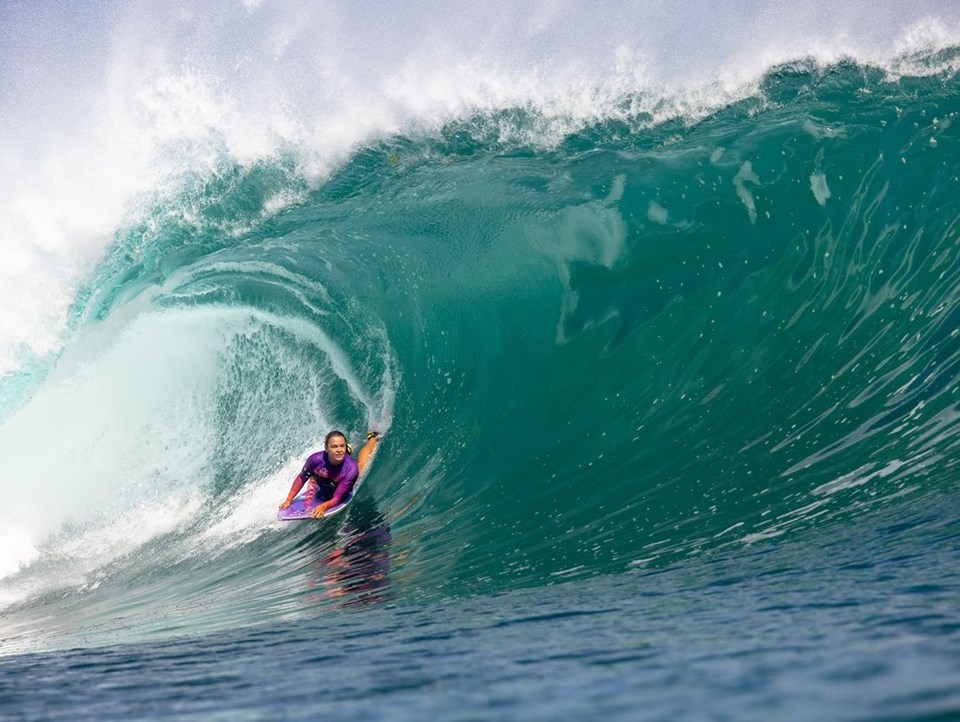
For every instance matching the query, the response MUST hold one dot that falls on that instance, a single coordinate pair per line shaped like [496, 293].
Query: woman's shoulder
[316, 459]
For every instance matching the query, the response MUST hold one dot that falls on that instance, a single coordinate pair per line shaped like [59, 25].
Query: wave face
[606, 325]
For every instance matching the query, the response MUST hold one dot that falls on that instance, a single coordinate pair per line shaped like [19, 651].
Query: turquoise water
[668, 390]
[860, 626]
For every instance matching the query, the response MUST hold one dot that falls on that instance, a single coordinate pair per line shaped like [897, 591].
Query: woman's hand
[320, 510]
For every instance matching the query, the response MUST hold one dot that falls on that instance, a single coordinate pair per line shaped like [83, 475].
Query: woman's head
[335, 444]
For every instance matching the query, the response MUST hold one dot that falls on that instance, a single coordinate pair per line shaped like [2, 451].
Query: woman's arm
[294, 490]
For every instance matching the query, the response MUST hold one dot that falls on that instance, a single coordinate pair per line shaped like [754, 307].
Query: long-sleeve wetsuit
[318, 469]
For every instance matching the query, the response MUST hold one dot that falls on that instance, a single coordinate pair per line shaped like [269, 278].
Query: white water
[120, 443]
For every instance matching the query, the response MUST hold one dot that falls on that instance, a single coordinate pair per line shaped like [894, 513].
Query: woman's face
[336, 449]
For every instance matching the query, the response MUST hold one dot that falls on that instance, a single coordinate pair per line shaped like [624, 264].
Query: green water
[653, 342]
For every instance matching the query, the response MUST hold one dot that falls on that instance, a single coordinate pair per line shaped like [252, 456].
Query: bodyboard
[299, 510]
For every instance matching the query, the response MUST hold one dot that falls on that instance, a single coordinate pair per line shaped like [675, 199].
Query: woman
[331, 473]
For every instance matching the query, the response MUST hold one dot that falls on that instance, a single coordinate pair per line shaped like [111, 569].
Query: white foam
[247, 517]
[746, 175]
[657, 213]
[97, 437]
[76, 560]
[819, 188]
[17, 548]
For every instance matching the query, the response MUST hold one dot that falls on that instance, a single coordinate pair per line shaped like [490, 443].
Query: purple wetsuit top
[318, 468]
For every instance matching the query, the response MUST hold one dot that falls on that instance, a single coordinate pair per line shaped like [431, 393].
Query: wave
[125, 103]
[600, 336]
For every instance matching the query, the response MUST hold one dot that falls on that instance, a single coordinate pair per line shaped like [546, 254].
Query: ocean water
[657, 309]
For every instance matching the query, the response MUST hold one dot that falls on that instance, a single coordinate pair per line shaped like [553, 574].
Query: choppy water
[666, 355]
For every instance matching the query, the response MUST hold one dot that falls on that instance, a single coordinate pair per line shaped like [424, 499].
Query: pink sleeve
[296, 486]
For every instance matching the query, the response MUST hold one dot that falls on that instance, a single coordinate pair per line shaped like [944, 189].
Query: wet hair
[326, 441]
